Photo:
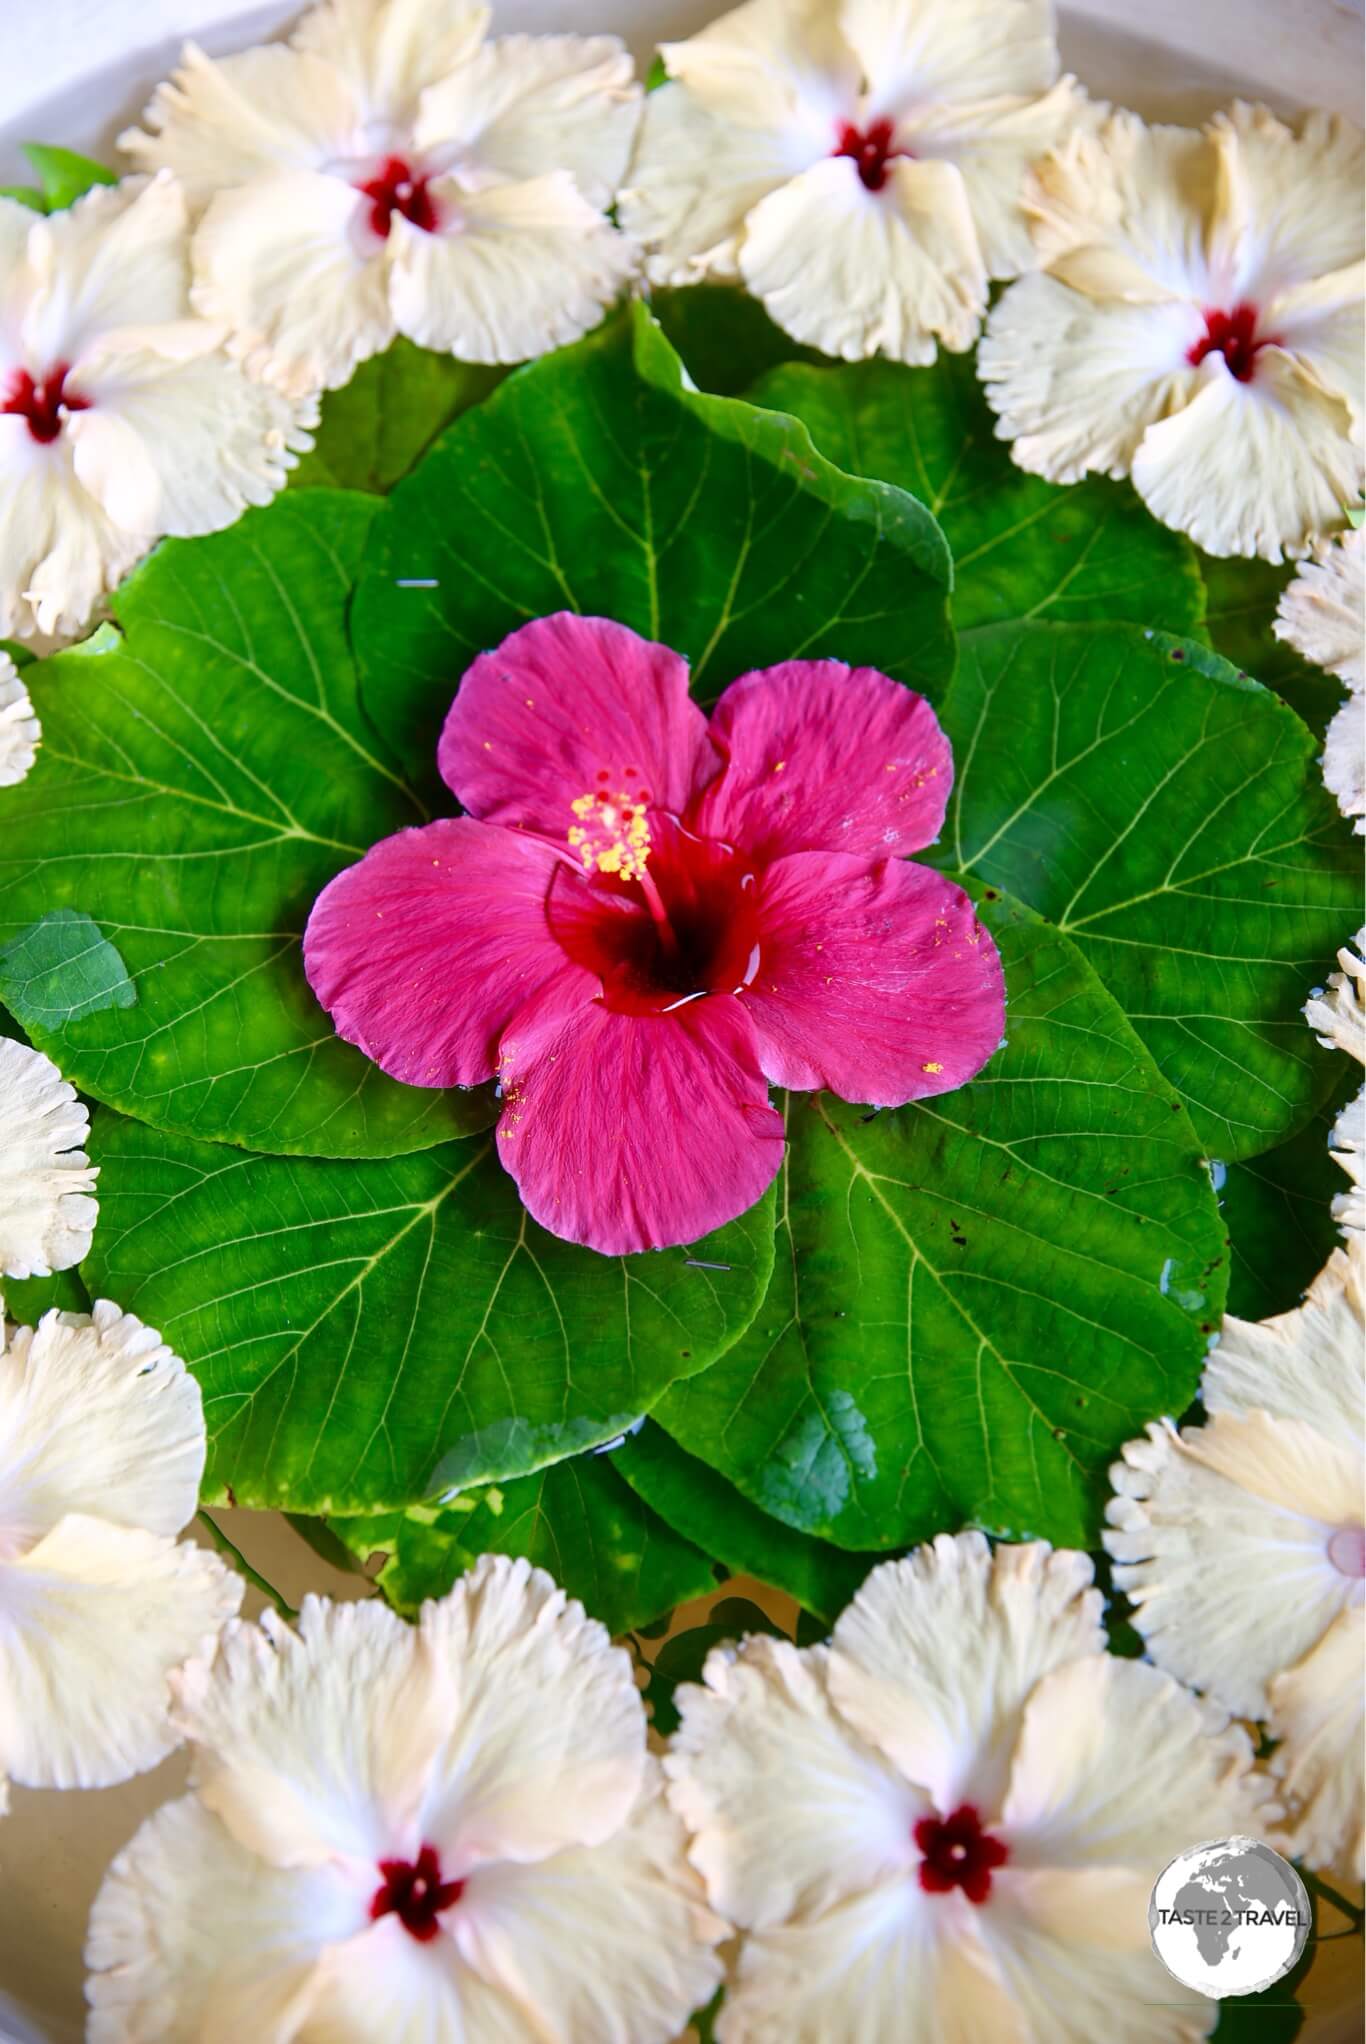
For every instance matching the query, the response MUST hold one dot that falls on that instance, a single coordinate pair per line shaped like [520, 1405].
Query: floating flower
[389, 172]
[921, 1827]
[20, 734]
[1197, 325]
[101, 1452]
[857, 163]
[1241, 1546]
[47, 1215]
[644, 919]
[1322, 614]
[120, 418]
[1347, 1148]
[448, 1830]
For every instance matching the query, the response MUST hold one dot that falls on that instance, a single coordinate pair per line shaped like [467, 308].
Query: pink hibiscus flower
[644, 919]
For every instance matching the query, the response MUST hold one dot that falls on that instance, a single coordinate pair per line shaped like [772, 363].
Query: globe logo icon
[1229, 1917]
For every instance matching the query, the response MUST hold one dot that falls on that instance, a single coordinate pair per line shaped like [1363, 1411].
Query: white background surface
[75, 72]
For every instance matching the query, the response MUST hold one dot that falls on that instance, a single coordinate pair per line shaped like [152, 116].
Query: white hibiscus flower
[101, 1452]
[1197, 325]
[945, 1826]
[1241, 1545]
[20, 734]
[1337, 1015]
[858, 163]
[388, 171]
[47, 1214]
[1322, 614]
[121, 420]
[442, 1831]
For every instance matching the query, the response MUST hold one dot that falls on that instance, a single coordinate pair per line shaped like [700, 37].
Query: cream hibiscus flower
[442, 1831]
[388, 171]
[101, 1452]
[1241, 1545]
[47, 1214]
[20, 734]
[1322, 614]
[120, 418]
[857, 163]
[946, 1824]
[1197, 325]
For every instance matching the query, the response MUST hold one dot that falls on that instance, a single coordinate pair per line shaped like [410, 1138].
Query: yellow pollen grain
[612, 834]
[932, 1068]
[781, 767]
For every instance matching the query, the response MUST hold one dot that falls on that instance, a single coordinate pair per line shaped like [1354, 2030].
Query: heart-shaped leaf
[577, 1519]
[1135, 790]
[598, 480]
[372, 1335]
[205, 770]
[977, 1299]
[1278, 1213]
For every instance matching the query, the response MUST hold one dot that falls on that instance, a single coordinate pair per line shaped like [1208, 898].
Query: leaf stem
[1321, 1892]
[244, 1567]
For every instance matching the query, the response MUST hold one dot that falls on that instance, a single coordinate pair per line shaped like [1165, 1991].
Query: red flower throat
[44, 405]
[958, 1854]
[414, 1892]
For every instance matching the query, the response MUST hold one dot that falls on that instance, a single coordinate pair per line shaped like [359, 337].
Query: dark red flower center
[872, 149]
[958, 1853]
[414, 1892]
[397, 188]
[1234, 336]
[44, 404]
[675, 919]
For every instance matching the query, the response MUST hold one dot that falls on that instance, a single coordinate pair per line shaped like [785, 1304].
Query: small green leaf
[1278, 1213]
[63, 175]
[205, 771]
[976, 1300]
[24, 195]
[577, 1519]
[682, 1658]
[22, 656]
[383, 421]
[596, 480]
[61, 968]
[701, 1504]
[372, 1335]
[657, 75]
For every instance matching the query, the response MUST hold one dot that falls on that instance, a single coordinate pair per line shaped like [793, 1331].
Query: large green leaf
[1168, 814]
[700, 1503]
[977, 1299]
[205, 770]
[575, 1518]
[1022, 548]
[1136, 791]
[379, 424]
[371, 1335]
[597, 480]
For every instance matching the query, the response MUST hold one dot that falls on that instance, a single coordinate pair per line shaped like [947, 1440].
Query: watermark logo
[1230, 1917]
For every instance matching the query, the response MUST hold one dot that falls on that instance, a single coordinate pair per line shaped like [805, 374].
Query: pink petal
[875, 981]
[567, 705]
[823, 757]
[423, 951]
[629, 1132]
